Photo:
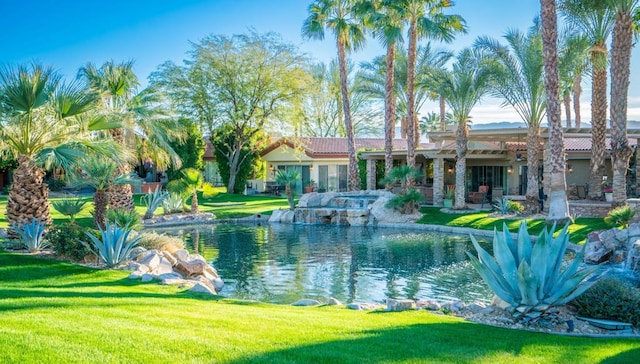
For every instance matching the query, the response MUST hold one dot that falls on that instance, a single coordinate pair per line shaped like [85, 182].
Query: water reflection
[283, 263]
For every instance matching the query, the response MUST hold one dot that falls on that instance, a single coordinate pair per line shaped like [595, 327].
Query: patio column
[371, 174]
[438, 181]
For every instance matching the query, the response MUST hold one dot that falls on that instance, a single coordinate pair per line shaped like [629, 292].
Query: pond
[281, 263]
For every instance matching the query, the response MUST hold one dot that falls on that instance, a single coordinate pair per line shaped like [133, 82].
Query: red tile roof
[571, 144]
[335, 147]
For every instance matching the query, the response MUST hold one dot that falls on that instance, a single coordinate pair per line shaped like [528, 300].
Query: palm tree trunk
[620, 70]
[577, 90]
[194, 202]
[462, 136]
[411, 96]
[100, 203]
[558, 204]
[28, 195]
[443, 113]
[121, 196]
[287, 189]
[354, 177]
[389, 110]
[598, 130]
[532, 199]
[566, 98]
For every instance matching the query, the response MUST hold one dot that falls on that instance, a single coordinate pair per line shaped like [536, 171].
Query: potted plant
[311, 185]
[608, 193]
[449, 195]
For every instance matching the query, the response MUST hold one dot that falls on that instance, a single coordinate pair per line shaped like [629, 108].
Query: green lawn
[55, 312]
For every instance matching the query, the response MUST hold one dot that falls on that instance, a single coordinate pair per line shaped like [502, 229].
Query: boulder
[163, 267]
[147, 277]
[190, 269]
[595, 253]
[306, 302]
[428, 305]
[181, 254]
[476, 307]
[135, 252]
[499, 303]
[282, 216]
[331, 301]
[151, 259]
[136, 274]
[168, 256]
[171, 275]
[178, 281]
[196, 258]
[133, 266]
[200, 287]
[399, 305]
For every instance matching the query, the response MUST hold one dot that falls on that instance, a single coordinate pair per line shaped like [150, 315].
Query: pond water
[282, 263]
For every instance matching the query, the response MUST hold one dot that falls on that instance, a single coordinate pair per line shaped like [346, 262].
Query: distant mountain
[631, 124]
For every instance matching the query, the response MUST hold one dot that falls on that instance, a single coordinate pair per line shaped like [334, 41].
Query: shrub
[515, 207]
[620, 216]
[69, 207]
[531, 277]
[153, 200]
[114, 245]
[610, 299]
[55, 185]
[65, 240]
[123, 217]
[161, 242]
[406, 203]
[32, 235]
[173, 204]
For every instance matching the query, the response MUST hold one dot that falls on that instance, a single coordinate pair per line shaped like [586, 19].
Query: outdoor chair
[480, 196]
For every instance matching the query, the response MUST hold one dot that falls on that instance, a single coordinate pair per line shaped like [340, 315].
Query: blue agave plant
[153, 200]
[114, 245]
[32, 235]
[532, 277]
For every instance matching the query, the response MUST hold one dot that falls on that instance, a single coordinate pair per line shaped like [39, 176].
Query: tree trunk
[194, 201]
[233, 169]
[121, 196]
[287, 189]
[462, 136]
[620, 70]
[558, 204]
[28, 195]
[598, 129]
[411, 97]
[100, 203]
[443, 113]
[577, 90]
[566, 98]
[354, 177]
[389, 110]
[532, 198]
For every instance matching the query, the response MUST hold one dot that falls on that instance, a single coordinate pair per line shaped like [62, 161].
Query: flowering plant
[608, 189]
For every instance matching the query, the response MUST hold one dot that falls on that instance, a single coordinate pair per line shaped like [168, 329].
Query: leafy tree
[42, 126]
[223, 139]
[190, 151]
[244, 82]
[338, 17]
[190, 181]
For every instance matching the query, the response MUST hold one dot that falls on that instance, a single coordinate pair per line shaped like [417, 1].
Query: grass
[480, 220]
[59, 312]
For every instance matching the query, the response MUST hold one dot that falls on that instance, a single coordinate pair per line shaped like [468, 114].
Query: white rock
[163, 267]
[172, 275]
[176, 281]
[498, 302]
[181, 254]
[333, 302]
[306, 302]
[200, 287]
[133, 266]
[136, 274]
[147, 277]
[168, 256]
[135, 252]
[151, 259]
[196, 258]
[399, 305]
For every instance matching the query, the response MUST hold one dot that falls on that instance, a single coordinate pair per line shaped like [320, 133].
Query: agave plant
[502, 206]
[620, 216]
[532, 277]
[153, 200]
[114, 245]
[174, 203]
[123, 217]
[32, 235]
[69, 207]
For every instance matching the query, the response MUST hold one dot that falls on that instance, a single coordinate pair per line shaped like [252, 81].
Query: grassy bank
[59, 312]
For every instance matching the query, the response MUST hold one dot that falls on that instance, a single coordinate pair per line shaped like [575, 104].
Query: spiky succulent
[532, 277]
[32, 235]
[114, 245]
[153, 200]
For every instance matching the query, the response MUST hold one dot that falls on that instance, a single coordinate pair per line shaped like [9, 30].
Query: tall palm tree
[468, 81]
[519, 81]
[620, 69]
[558, 204]
[572, 65]
[425, 19]
[41, 125]
[594, 19]
[338, 17]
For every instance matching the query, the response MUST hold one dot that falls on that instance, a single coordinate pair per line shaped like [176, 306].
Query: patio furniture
[480, 196]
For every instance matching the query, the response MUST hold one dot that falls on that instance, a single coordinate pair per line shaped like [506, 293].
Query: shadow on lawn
[447, 342]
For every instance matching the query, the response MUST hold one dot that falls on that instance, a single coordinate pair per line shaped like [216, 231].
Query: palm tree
[464, 86]
[558, 204]
[188, 185]
[620, 69]
[595, 20]
[145, 126]
[519, 81]
[41, 125]
[288, 178]
[572, 65]
[425, 19]
[337, 16]
[99, 172]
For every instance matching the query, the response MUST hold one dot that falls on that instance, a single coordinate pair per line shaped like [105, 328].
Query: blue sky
[68, 34]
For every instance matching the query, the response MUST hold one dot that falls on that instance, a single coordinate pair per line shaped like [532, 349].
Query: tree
[572, 65]
[190, 151]
[620, 69]
[42, 126]
[223, 140]
[558, 204]
[98, 172]
[338, 17]
[425, 19]
[595, 20]
[144, 125]
[288, 178]
[246, 82]
[519, 81]
[190, 181]
[467, 82]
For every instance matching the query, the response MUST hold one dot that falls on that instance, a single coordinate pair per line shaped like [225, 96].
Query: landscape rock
[362, 306]
[136, 274]
[399, 305]
[178, 281]
[151, 259]
[171, 275]
[333, 302]
[190, 269]
[201, 287]
[306, 302]
[135, 252]
[168, 256]
[163, 267]
[476, 307]
[499, 303]
[147, 277]
[428, 305]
